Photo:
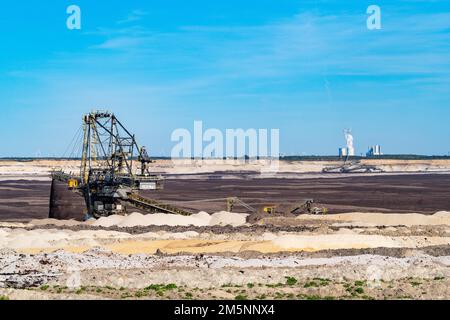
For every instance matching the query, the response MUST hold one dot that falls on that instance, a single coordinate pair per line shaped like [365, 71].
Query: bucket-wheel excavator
[113, 169]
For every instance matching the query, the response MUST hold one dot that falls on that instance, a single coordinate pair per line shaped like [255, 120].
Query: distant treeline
[285, 158]
[385, 157]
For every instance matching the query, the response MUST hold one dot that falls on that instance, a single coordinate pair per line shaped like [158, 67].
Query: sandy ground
[42, 167]
[220, 255]
[381, 219]
[348, 256]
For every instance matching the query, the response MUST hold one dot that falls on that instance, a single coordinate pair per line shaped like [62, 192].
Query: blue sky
[309, 68]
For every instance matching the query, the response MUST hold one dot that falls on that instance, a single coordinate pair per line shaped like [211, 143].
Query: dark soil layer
[24, 200]
[423, 193]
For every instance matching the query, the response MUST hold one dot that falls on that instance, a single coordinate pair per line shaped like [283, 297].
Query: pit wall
[43, 167]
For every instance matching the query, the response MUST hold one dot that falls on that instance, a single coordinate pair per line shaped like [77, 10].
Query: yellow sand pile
[385, 219]
[192, 242]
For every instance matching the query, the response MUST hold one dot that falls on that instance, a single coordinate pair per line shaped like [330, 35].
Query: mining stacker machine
[113, 169]
[352, 166]
[300, 207]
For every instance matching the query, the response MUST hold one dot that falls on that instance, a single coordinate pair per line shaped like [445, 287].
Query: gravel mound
[200, 219]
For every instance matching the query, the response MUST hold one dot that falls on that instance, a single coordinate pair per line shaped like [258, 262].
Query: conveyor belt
[155, 206]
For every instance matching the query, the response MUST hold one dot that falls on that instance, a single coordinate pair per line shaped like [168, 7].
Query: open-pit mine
[385, 235]
[125, 226]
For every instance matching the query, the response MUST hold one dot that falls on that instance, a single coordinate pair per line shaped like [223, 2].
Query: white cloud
[120, 43]
[135, 15]
[307, 50]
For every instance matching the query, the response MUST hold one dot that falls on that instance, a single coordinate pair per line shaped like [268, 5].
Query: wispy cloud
[135, 15]
[308, 52]
[304, 44]
[120, 43]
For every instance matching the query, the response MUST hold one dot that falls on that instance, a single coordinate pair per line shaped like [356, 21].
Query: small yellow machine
[302, 207]
[269, 209]
[72, 183]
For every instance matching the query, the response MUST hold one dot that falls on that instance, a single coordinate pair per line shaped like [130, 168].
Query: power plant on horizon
[349, 150]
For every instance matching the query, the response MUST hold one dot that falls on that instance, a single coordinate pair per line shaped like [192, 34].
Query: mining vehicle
[305, 206]
[354, 166]
[113, 168]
